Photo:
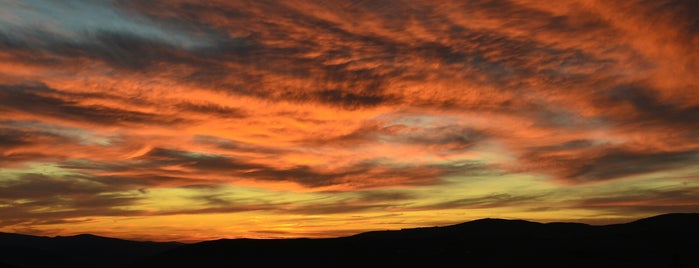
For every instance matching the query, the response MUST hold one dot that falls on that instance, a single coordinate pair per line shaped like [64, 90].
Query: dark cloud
[444, 139]
[47, 102]
[620, 163]
[372, 196]
[448, 139]
[681, 12]
[585, 161]
[160, 157]
[37, 186]
[354, 69]
[41, 199]
[569, 145]
[13, 138]
[212, 109]
[336, 208]
[152, 167]
[367, 63]
[644, 106]
[648, 202]
[18, 158]
[26, 214]
[351, 100]
[489, 201]
[236, 146]
[366, 175]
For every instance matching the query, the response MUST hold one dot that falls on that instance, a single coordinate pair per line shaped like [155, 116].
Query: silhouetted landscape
[670, 240]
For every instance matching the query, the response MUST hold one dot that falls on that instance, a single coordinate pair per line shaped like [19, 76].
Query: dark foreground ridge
[670, 240]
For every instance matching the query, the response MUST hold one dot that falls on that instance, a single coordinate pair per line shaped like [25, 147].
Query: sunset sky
[194, 120]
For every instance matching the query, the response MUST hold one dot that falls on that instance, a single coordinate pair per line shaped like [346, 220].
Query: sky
[194, 120]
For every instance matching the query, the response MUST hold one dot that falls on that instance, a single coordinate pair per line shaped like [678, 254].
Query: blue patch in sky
[32, 21]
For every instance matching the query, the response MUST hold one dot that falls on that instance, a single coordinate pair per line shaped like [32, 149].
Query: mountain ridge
[668, 240]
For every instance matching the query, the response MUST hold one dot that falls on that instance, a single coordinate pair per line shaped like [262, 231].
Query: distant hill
[664, 241]
[74, 251]
[670, 240]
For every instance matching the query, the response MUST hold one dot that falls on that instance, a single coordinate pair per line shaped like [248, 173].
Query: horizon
[181, 121]
[330, 237]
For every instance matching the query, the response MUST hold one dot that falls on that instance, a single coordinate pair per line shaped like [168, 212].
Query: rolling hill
[670, 240]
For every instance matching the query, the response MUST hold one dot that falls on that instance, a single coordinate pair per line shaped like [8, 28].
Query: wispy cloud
[104, 101]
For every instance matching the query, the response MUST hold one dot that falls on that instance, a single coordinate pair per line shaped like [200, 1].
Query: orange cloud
[331, 99]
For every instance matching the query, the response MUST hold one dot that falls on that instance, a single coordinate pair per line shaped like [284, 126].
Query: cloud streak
[106, 104]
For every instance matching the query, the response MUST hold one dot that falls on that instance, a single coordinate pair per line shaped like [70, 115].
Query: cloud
[230, 169]
[584, 161]
[641, 105]
[357, 66]
[620, 163]
[338, 98]
[37, 101]
[12, 138]
[37, 185]
[490, 201]
[32, 21]
[43, 199]
[211, 109]
[648, 202]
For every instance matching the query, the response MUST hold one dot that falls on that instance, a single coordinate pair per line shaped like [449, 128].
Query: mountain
[670, 240]
[74, 251]
[664, 241]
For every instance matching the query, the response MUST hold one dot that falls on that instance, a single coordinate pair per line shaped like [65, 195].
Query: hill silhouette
[670, 240]
[83, 250]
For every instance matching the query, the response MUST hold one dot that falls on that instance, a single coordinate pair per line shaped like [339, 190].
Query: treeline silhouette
[670, 240]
